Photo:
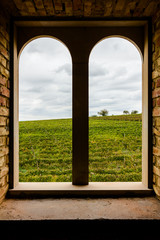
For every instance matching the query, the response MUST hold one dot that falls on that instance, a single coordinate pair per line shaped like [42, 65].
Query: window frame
[79, 185]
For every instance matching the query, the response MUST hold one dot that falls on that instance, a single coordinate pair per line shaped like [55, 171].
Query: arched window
[115, 109]
[128, 162]
[45, 112]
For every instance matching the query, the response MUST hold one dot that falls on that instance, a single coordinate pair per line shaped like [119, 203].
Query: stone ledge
[86, 208]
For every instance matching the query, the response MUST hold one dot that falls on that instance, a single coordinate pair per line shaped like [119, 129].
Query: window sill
[66, 189]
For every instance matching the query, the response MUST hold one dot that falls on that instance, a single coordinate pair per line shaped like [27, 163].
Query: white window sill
[93, 189]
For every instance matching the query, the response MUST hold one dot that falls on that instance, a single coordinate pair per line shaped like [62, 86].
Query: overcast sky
[45, 76]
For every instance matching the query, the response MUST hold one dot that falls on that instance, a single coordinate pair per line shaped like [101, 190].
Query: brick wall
[4, 105]
[103, 9]
[156, 102]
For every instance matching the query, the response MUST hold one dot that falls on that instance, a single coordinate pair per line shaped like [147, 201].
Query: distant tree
[125, 112]
[94, 116]
[103, 113]
[134, 112]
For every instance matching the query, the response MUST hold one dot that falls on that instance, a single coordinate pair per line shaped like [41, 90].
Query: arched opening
[115, 110]
[45, 112]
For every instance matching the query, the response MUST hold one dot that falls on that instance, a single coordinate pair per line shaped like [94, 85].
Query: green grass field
[115, 147]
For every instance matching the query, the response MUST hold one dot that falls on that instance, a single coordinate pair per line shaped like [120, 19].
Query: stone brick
[158, 61]
[156, 54]
[48, 4]
[41, 12]
[2, 161]
[3, 181]
[77, 5]
[4, 131]
[154, 103]
[153, 47]
[108, 8]
[3, 80]
[3, 20]
[8, 84]
[120, 5]
[156, 93]
[8, 65]
[7, 121]
[4, 91]
[157, 68]
[4, 33]
[4, 151]
[4, 71]
[156, 132]
[4, 95]
[158, 121]
[158, 128]
[3, 191]
[87, 8]
[154, 140]
[156, 111]
[158, 141]
[156, 35]
[2, 121]
[7, 103]
[157, 24]
[157, 102]
[156, 16]
[2, 101]
[157, 163]
[154, 159]
[30, 6]
[39, 4]
[154, 178]
[153, 66]
[7, 159]
[157, 83]
[4, 52]
[3, 41]
[157, 190]
[2, 141]
[4, 111]
[58, 5]
[158, 181]
[130, 8]
[156, 170]
[20, 4]
[7, 141]
[3, 61]
[155, 74]
[4, 171]
[156, 151]
[154, 122]
[69, 8]
[151, 8]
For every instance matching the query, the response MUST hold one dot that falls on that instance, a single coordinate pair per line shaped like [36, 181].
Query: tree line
[105, 112]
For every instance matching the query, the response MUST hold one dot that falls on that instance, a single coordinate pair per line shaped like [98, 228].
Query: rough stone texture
[82, 8]
[52, 209]
[156, 102]
[4, 106]
[77, 9]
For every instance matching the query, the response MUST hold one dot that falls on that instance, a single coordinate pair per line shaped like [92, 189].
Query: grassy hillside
[114, 149]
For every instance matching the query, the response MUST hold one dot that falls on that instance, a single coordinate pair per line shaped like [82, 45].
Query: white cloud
[45, 92]
[46, 79]
[121, 87]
